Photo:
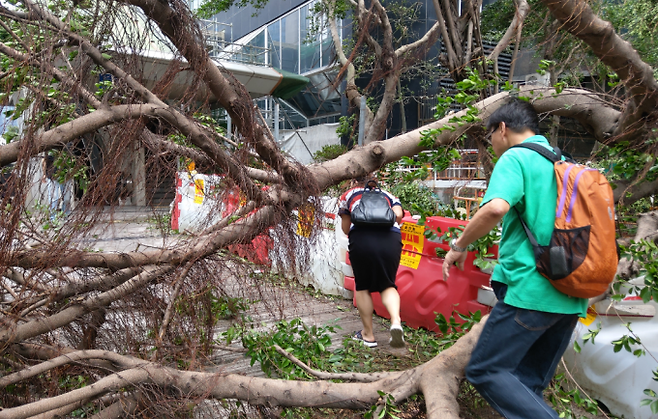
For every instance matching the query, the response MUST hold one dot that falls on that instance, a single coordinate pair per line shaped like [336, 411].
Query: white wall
[301, 144]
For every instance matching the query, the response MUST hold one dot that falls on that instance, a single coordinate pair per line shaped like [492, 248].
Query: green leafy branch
[590, 336]
[652, 401]
[481, 246]
[645, 254]
[564, 400]
[309, 344]
[385, 406]
[451, 330]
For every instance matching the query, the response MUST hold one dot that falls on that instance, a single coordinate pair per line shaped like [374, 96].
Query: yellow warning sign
[306, 218]
[413, 241]
[591, 316]
[198, 191]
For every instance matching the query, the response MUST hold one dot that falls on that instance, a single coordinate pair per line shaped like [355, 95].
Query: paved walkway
[128, 229]
[134, 228]
[290, 304]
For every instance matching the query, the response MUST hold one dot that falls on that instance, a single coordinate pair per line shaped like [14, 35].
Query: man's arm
[484, 220]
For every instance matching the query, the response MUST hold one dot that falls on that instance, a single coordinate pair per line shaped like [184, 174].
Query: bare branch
[579, 19]
[36, 327]
[352, 376]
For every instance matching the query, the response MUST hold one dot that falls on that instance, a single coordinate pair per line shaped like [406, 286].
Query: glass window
[290, 42]
[310, 46]
[255, 50]
[328, 50]
[274, 44]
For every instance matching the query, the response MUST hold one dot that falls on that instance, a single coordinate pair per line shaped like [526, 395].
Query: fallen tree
[116, 316]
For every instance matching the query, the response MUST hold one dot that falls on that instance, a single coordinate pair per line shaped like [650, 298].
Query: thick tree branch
[74, 129]
[579, 19]
[121, 361]
[592, 112]
[453, 60]
[427, 40]
[637, 191]
[238, 106]
[522, 10]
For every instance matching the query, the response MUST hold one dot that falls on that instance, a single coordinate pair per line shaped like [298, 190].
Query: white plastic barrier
[324, 272]
[342, 242]
[198, 201]
[618, 379]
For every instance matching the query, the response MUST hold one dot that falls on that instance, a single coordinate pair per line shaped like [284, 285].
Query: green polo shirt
[526, 180]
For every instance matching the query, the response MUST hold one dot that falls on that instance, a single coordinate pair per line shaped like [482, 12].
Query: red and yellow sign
[413, 241]
[198, 191]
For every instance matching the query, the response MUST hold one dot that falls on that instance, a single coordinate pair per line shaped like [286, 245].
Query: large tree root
[438, 380]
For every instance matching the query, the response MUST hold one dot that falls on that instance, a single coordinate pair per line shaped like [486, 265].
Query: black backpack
[374, 209]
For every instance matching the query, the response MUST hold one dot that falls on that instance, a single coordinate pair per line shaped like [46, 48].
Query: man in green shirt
[531, 325]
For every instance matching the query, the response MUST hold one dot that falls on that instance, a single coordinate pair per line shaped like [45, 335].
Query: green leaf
[106, 56]
[654, 407]
[576, 347]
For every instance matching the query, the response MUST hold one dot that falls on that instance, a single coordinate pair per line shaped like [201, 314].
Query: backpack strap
[536, 248]
[531, 236]
[544, 152]
[556, 155]
[553, 157]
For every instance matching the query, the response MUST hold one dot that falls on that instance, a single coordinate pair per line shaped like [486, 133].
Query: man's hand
[451, 258]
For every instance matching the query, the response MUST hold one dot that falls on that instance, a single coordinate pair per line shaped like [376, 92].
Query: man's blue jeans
[516, 357]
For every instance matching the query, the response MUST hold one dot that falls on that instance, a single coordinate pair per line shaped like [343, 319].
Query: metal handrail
[225, 49]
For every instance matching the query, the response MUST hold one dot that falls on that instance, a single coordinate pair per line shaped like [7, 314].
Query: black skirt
[375, 257]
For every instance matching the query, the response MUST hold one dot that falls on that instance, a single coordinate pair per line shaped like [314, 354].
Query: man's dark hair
[518, 115]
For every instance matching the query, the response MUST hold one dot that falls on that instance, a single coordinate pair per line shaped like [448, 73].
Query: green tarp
[290, 85]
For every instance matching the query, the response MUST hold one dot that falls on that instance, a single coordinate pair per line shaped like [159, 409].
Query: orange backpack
[581, 258]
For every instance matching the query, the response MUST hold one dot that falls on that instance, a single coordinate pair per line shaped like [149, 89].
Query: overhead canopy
[290, 84]
[259, 80]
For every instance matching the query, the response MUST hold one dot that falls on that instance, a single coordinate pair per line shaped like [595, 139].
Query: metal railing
[218, 37]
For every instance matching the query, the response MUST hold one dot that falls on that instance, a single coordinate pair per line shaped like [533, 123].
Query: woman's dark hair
[518, 115]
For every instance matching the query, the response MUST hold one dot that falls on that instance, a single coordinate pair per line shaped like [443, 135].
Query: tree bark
[438, 380]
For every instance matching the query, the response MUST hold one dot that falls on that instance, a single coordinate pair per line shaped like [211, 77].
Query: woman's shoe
[397, 336]
[358, 336]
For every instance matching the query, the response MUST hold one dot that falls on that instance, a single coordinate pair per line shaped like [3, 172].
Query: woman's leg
[365, 307]
[391, 300]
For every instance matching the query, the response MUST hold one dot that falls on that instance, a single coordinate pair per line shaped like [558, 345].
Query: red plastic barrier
[257, 251]
[423, 292]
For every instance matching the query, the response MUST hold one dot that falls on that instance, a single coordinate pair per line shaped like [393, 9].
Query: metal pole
[276, 121]
[362, 120]
[228, 125]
